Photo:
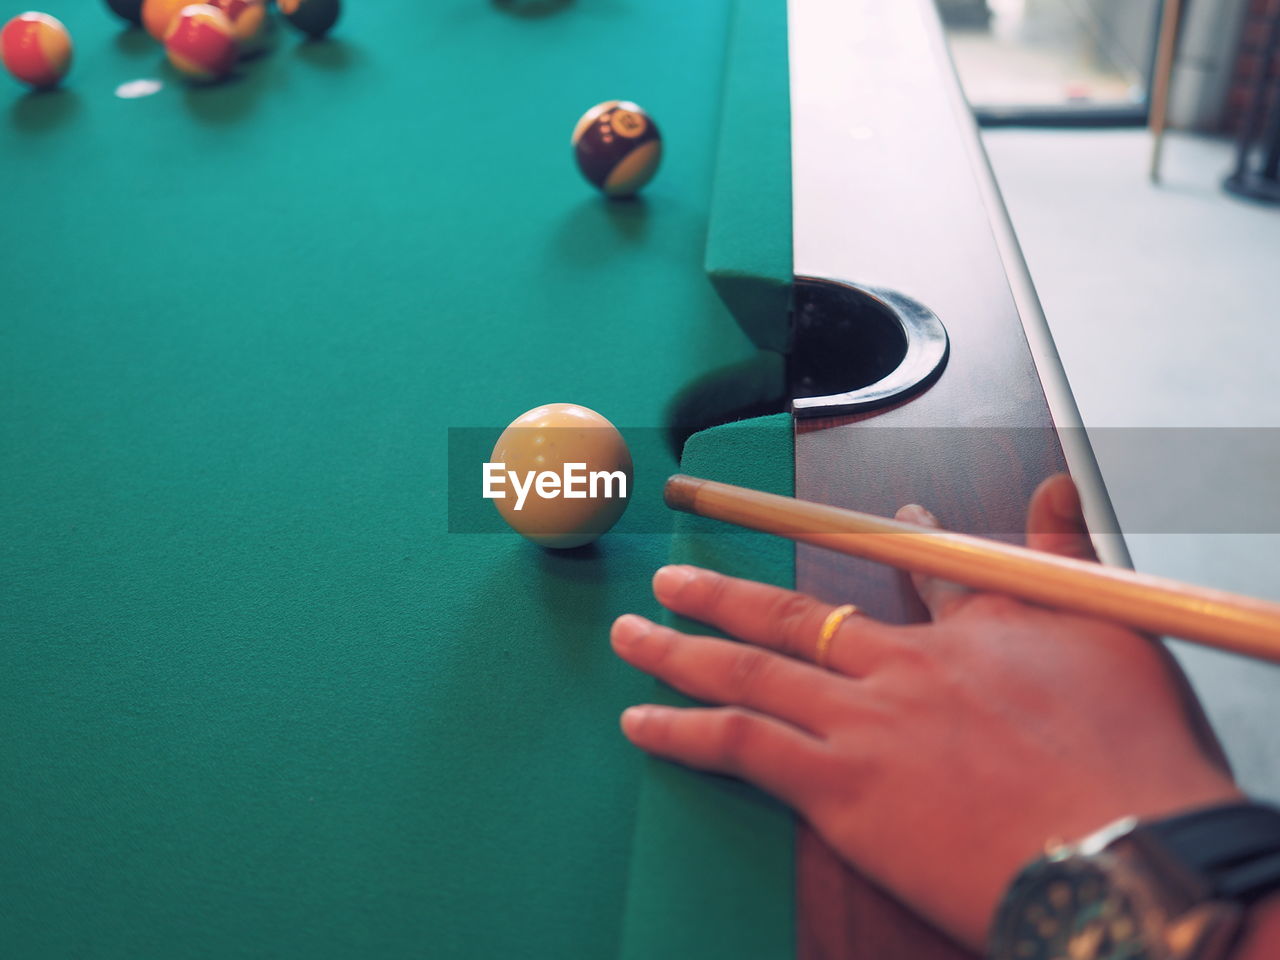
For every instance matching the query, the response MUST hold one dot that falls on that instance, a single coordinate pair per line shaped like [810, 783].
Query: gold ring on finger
[828, 631]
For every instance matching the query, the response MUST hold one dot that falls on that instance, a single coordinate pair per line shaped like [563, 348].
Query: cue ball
[617, 146]
[544, 440]
[36, 49]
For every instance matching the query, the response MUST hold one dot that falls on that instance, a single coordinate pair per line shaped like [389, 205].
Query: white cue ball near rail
[543, 441]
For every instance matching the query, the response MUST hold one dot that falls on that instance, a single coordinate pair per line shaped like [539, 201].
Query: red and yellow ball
[158, 14]
[36, 49]
[201, 42]
[248, 22]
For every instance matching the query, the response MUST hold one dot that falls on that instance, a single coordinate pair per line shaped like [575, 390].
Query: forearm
[1261, 937]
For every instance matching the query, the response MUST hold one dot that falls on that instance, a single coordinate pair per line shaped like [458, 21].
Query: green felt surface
[748, 252]
[712, 872]
[255, 699]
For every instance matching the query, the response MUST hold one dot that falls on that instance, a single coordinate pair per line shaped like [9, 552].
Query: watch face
[1068, 911]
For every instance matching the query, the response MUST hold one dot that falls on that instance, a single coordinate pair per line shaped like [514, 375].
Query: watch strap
[1235, 847]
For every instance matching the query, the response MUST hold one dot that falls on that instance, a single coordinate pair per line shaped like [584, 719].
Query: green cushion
[712, 859]
[749, 236]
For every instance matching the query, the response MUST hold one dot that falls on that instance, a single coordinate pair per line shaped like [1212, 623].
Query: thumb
[939, 595]
[1055, 520]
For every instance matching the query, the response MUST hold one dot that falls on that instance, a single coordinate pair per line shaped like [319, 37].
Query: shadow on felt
[327, 53]
[532, 9]
[135, 42]
[597, 227]
[42, 110]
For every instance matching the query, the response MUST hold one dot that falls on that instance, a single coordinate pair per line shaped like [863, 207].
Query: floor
[1165, 305]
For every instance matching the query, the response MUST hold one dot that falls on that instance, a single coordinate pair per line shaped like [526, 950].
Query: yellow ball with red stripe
[201, 42]
[157, 15]
[36, 49]
[248, 22]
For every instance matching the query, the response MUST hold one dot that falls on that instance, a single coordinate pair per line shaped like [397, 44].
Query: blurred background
[1021, 56]
[1090, 61]
[1163, 296]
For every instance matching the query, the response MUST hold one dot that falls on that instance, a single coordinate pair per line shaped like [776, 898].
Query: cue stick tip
[681, 492]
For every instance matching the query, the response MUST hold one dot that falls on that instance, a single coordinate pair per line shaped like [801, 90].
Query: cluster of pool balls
[617, 145]
[202, 40]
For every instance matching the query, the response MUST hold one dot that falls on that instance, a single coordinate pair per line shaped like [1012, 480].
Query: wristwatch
[1172, 889]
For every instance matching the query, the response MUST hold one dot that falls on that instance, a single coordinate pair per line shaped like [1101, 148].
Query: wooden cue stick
[1163, 78]
[1213, 618]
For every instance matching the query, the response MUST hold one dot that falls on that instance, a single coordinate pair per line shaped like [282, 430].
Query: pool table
[270, 684]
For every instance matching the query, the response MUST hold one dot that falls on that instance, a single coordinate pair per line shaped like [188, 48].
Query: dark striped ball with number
[313, 17]
[617, 146]
[130, 10]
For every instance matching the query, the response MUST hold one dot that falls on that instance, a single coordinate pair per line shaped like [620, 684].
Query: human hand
[937, 757]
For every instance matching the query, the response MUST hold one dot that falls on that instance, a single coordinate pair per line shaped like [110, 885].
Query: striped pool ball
[617, 146]
[158, 14]
[312, 17]
[248, 22]
[201, 42]
[36, 49]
